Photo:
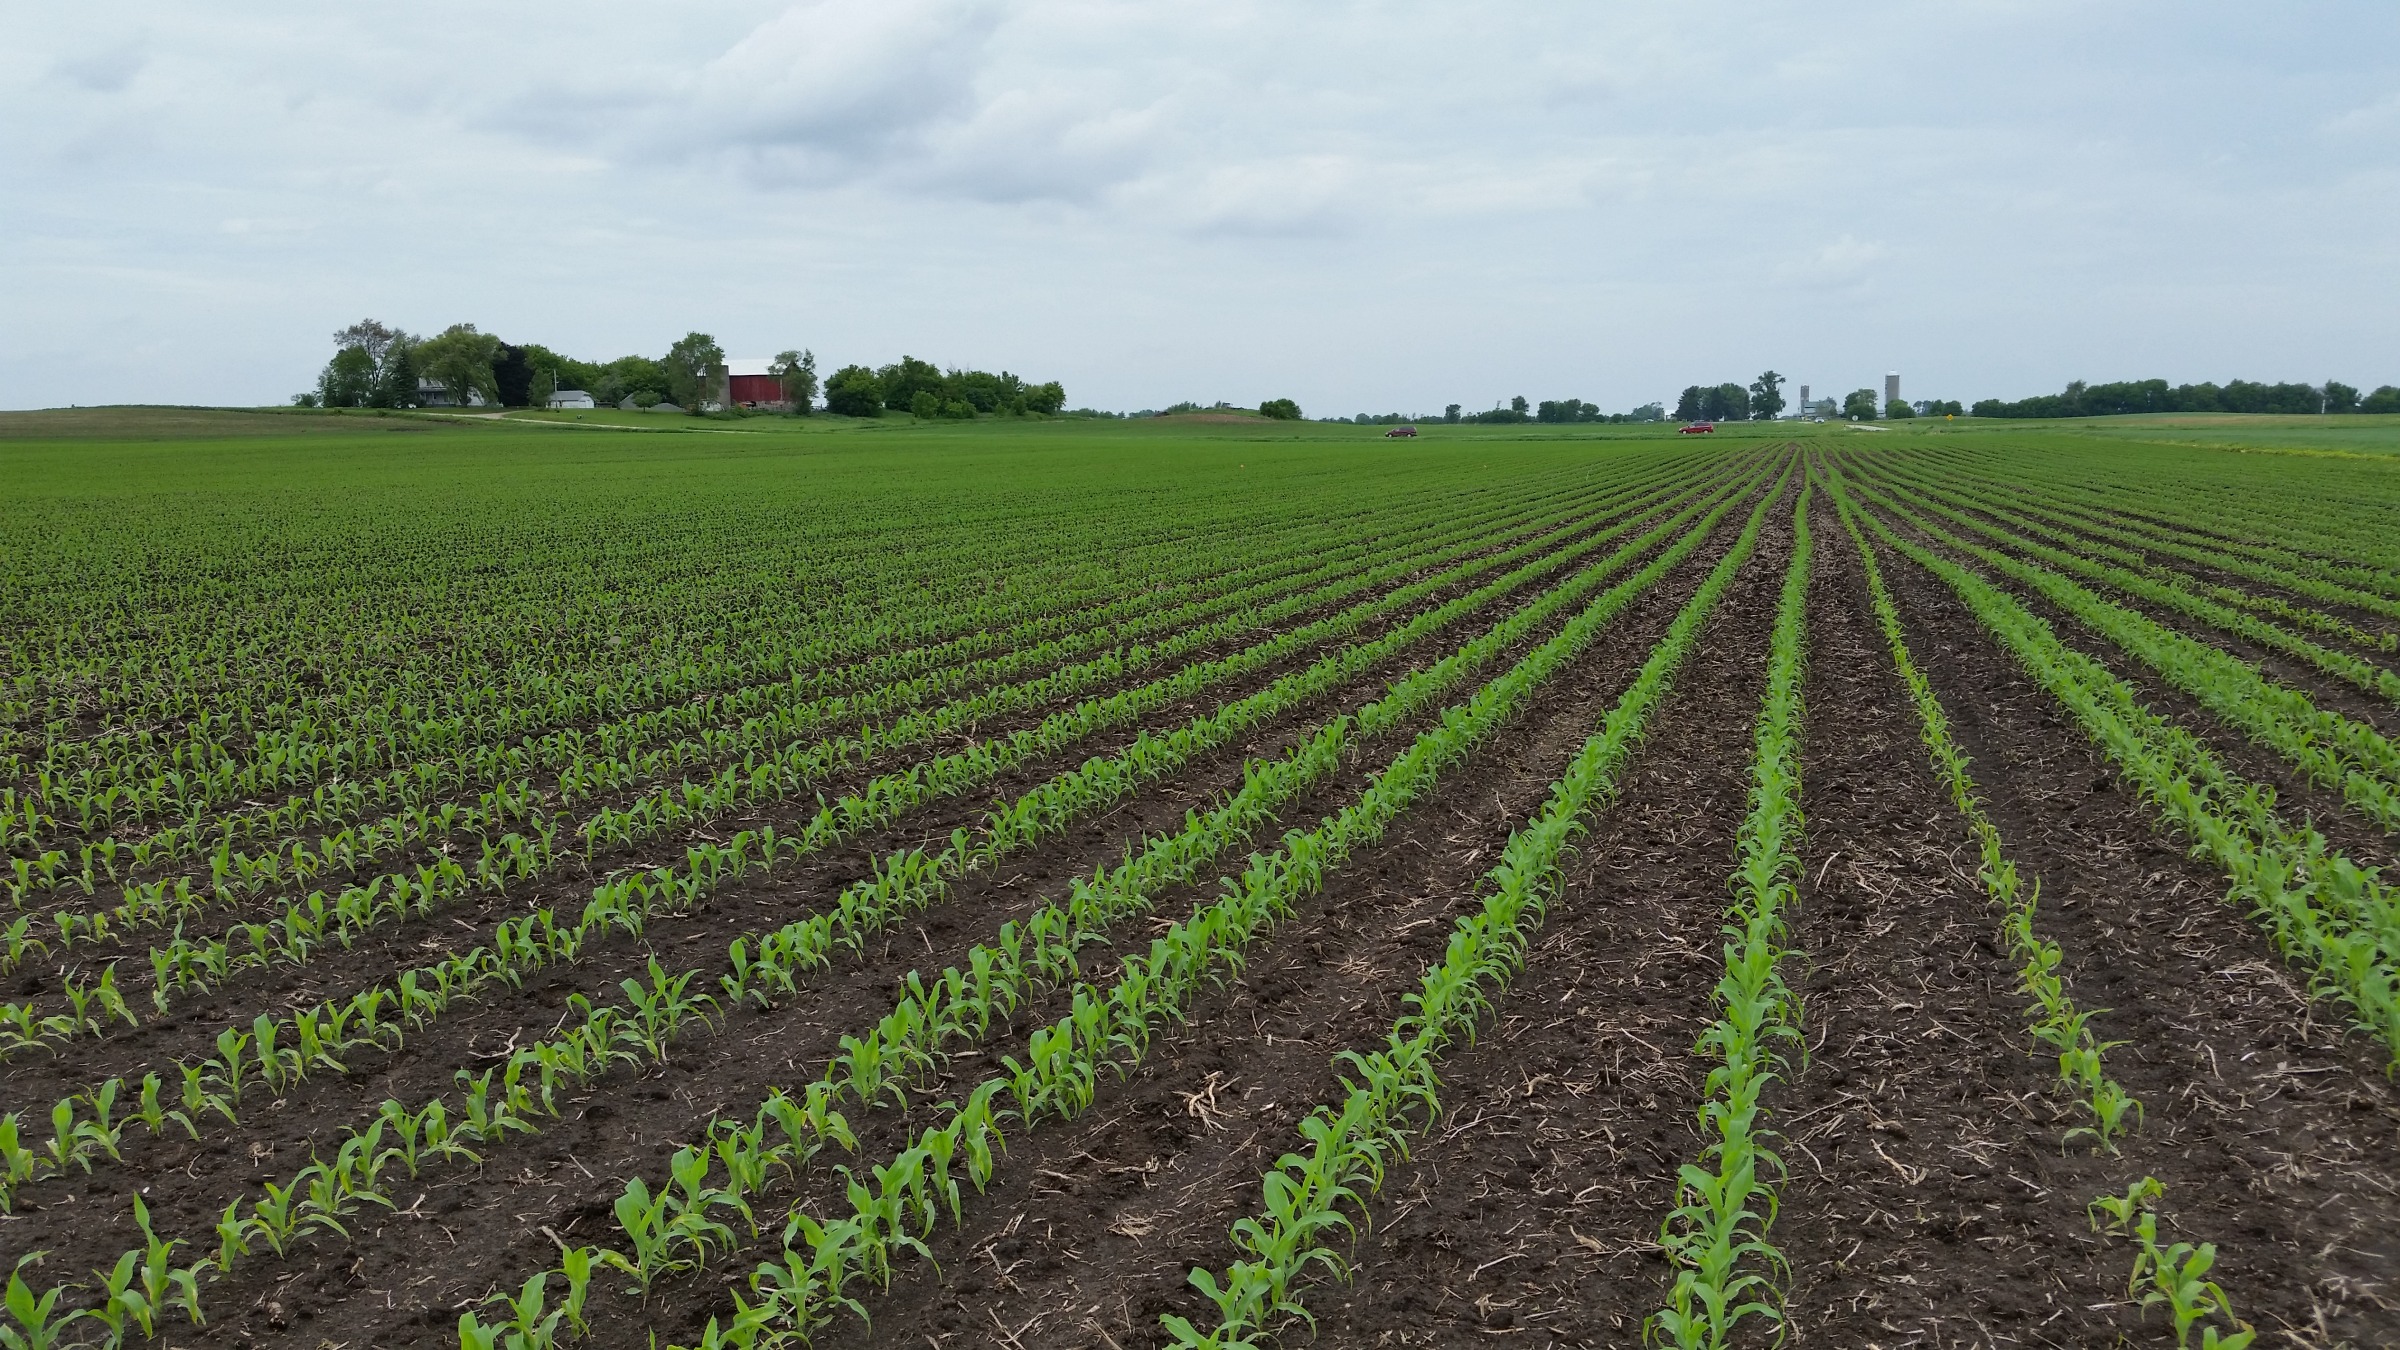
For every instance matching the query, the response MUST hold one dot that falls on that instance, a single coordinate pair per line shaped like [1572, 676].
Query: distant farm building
[750, 382]
[571, 398]
[435, 394]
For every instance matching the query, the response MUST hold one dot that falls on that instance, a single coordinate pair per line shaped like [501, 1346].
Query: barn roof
[749, 365]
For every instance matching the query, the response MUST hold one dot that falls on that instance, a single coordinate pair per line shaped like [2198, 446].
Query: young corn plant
[1726, 1270]
[2174, 1275]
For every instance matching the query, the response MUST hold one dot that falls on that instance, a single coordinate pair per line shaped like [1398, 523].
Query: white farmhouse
[434, 394]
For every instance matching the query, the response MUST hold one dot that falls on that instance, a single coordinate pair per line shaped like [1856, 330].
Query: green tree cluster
[1762, 399]
[2156, 396]
[1281, 409]
[377, 365]
[920, 388]
[374, 365]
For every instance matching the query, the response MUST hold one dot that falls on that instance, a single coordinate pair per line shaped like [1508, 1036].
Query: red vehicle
[1698, 429]
[1400, 431]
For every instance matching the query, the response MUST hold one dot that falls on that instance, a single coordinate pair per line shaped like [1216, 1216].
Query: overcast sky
[1367, 207]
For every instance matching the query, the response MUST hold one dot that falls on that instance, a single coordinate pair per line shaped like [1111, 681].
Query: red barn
[748, 385]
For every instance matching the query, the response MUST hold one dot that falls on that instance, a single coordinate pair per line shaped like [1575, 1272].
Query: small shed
[571, 398]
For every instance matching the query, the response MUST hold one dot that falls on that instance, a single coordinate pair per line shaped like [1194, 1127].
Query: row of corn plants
[2333, 750]
[2361, 674]
[964, 1005]
[601, 676]
[2230, 532]
[586, 764]
[227, 750]
[1716, 1237]
[2053, 1019]
[281, 1052]
[2133, 552]
[2334, 918]
[658, 1225]
[1391, 1095]
[514, 1099]
[784, 734]
[186, 964]
[1110, 1029]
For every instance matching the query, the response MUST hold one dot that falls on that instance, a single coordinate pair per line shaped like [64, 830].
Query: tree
[460, 360]
[2339, 397]
[1450, 413]
[2385, 399]
[396, 375]
[1899, 409]
[1687, 408]
[1281, 409]
[1049, 396]
[796, 372]
[512, 375]
[374, 335]
[1727, 402]
[901, 380]
[1766, 396]
[854, 392]
[924, 405]
[691, 367]
[1859, 405]
[1648, 412]
[629, 377]
[348, 381]
[1519, 406]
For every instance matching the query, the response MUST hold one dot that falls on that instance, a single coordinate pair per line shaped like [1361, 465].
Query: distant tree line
[376, 365]
[1760, 400]
[2156, 396]
[1552, 410]
[925, 390]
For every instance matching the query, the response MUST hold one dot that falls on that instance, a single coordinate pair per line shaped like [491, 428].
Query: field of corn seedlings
[1189, 885]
